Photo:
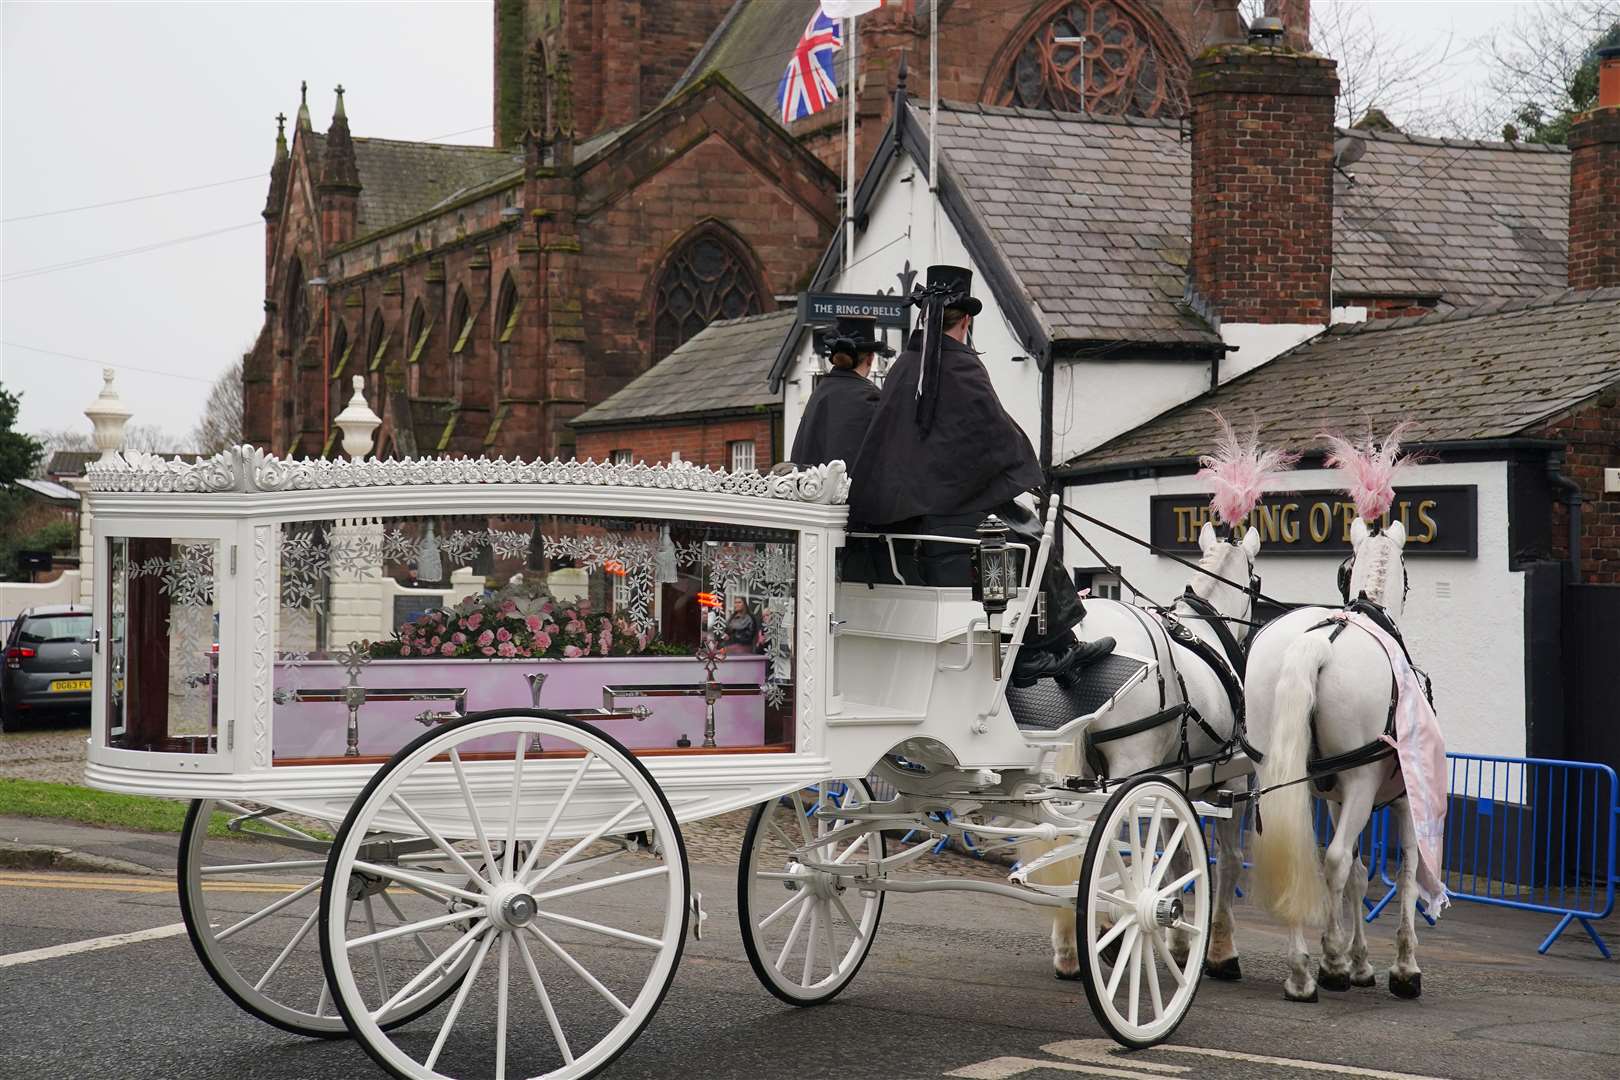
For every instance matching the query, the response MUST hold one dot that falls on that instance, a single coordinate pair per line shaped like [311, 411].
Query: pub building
[1136, 272]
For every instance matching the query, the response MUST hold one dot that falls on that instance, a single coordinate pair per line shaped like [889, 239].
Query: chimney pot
[1609, 77]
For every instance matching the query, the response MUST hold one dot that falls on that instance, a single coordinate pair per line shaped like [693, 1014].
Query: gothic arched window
[1127, 62]
[508, 309]
[376, 348]
[709, 276]
[416, 338]
[464, 349]
[297, 306]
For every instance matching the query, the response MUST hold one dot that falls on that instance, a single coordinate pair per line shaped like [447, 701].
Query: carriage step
[1046, 706]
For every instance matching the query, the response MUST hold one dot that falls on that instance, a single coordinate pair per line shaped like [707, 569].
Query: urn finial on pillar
[357, 422]
[110, 415]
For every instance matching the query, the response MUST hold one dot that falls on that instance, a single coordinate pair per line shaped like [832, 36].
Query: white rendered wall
[1095, 400]
[1471, 642]
[17, 597]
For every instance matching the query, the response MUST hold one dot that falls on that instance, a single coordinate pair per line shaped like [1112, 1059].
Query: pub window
[742, 455]
[1104, 584]
[624, 457]
[708, 277]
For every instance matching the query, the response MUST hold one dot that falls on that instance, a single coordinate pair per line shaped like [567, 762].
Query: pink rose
[549, 628]
[404, 650]
[574, 627]
[506, 648]
[508, 607]
[533, 623]
[473, 621]
[459, 638]
[434, 643]
[547, 608]
[448, 649]
[503, 634]
[485, 640]
[487, 651]
[542, 641]
[570, 651]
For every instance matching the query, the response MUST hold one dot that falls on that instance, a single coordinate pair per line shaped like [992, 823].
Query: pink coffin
[318, 729]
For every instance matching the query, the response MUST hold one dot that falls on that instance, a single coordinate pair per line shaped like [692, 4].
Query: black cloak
[836, 419]
[974, 457]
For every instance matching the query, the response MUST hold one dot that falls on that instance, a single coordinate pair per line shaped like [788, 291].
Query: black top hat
[856, 334]
[960, 281]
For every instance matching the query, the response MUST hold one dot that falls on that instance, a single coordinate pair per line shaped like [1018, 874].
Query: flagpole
[853, 38]
[933, 96]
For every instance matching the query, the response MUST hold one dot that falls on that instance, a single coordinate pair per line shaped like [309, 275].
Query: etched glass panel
[163, 651]
[386, 624]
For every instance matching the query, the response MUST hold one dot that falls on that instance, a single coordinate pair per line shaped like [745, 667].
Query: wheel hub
[1168, 912]
[512, 908]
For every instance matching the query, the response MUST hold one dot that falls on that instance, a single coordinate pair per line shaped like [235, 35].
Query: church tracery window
[1124, 64]
[297, 325]
[707, 278]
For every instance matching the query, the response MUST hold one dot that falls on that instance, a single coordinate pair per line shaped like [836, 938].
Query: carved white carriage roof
[249, 469]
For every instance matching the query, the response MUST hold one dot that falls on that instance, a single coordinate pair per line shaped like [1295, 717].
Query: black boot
[1034, 665]
[1084, 654]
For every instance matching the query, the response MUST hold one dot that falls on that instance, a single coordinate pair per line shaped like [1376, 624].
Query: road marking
[112, 941]
[1305, 1066]
[23, 880]
[1101, 1057]
[1003, 1068]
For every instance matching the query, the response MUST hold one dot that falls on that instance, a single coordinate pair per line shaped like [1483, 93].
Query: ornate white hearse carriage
[441, 722]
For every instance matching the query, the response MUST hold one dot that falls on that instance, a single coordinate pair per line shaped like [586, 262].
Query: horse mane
[1237, 470]
[1368, 467]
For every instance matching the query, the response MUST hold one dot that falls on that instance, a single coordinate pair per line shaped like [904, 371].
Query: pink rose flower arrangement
[522, 624]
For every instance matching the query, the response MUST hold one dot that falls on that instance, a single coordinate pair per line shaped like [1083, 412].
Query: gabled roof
[751, 47]
[1493, 371]
[720, 369]
[400, 180]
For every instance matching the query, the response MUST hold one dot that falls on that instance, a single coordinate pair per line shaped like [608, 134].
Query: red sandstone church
[639, 187]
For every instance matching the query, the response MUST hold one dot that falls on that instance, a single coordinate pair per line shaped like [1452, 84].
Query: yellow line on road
[98, 883]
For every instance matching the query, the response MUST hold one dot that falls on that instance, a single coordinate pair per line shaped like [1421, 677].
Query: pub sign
[1440, 520]
[823, 309]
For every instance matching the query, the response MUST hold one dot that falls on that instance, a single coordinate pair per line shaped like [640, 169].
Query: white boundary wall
[1464, 618]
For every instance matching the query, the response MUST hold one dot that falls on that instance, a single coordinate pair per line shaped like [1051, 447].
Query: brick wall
[1262, 184]
[701, 443]
[1592, 434]
[1594, 200]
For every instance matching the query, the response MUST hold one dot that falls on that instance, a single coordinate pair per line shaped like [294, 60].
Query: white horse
[1140, 632]
[1307, 685]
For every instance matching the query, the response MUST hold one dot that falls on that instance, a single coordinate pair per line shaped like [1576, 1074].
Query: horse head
[1377, 566]
[1232, 558]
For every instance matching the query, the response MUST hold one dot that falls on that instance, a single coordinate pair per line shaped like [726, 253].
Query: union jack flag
[808, 85]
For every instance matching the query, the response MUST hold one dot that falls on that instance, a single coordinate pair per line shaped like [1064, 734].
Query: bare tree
[1544, 65]
[148, 437]
[221, 424]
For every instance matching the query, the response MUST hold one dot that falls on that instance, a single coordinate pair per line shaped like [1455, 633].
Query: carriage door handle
[834, 624]
[95, 639]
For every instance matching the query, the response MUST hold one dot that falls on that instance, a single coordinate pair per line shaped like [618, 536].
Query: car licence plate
[67, 686]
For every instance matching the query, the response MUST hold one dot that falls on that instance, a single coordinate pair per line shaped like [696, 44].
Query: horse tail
[1288, 875]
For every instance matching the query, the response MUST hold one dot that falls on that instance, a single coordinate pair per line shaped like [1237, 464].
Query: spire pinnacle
[281, 136]
[303, 106]
[339, 111]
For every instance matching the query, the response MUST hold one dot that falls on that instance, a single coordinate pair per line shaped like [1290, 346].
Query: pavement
[957, 985]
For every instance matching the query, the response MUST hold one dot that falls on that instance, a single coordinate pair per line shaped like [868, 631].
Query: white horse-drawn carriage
[440, 720]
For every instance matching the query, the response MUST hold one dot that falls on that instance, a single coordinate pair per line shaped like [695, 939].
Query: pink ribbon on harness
[1422, 753]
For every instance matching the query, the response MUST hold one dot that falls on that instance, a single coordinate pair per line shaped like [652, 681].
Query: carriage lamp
[992, 580]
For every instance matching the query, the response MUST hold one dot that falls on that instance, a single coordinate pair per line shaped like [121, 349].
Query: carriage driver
[942, 453]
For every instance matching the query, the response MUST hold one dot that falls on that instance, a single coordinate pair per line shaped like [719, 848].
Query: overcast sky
[109, 101]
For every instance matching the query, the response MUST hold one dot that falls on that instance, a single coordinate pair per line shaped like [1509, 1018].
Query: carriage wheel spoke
[793, 901]
[375, 936]
[1180, 883]
[1154, 988]
[545, 1001]
[269, 910]
[1114, 932]
[426, 950]
[1135, 995]
[598, 928]
[585, 842]
[433, 834]
[264, 867]
[793, 935]
[1127, 880]
[579, 969]
[281, 958]
[770, 823]
[507, 857]
[602, 883]
[1170, 850]
[376, 949]
[269, 819]
[1152, 845]
[503, 971]
[857, 842]
[322, 999]
[472, 811]
[1127, 949]
[441, 963]
[810, 945]
[860, 935]
[426, 881]
[832, 940]
[556, 816]
[1163, 948]
[460, 1000]
[1113, 898]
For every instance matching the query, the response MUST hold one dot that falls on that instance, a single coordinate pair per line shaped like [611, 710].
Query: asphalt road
[956, 986]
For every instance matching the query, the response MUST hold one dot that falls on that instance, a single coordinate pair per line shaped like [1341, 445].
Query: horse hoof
[1364, 980]
[1331, 980]
[1227, 970]
[1406, 988]
[1073, 976]
[1303, 999]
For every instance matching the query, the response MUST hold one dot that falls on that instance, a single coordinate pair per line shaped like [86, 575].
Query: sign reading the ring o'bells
[1438, 520]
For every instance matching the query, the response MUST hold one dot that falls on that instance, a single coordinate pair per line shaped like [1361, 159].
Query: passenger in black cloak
[942, 453]
[834, 425]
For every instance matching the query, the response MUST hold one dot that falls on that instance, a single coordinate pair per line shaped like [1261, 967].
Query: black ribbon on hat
[932, 299]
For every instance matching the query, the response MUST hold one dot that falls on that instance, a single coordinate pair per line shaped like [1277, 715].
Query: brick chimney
[1262, 190]
[1594, 184]
[339, 185]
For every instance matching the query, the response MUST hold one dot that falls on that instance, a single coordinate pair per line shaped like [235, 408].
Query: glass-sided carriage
[441, 721]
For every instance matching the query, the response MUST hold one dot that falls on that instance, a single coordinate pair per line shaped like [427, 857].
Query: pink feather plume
[1238, 469]
[1369, 467]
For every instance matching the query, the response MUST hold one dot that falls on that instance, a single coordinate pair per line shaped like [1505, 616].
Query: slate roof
[751, 47]
[1093, 216]
[400, 180]
[1492, 371]
[721, 368]
[73, 462]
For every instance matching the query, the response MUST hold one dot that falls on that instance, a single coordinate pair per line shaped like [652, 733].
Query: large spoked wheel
[806, 930]
[251, 898]
[1144, 901]
[565, 882]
